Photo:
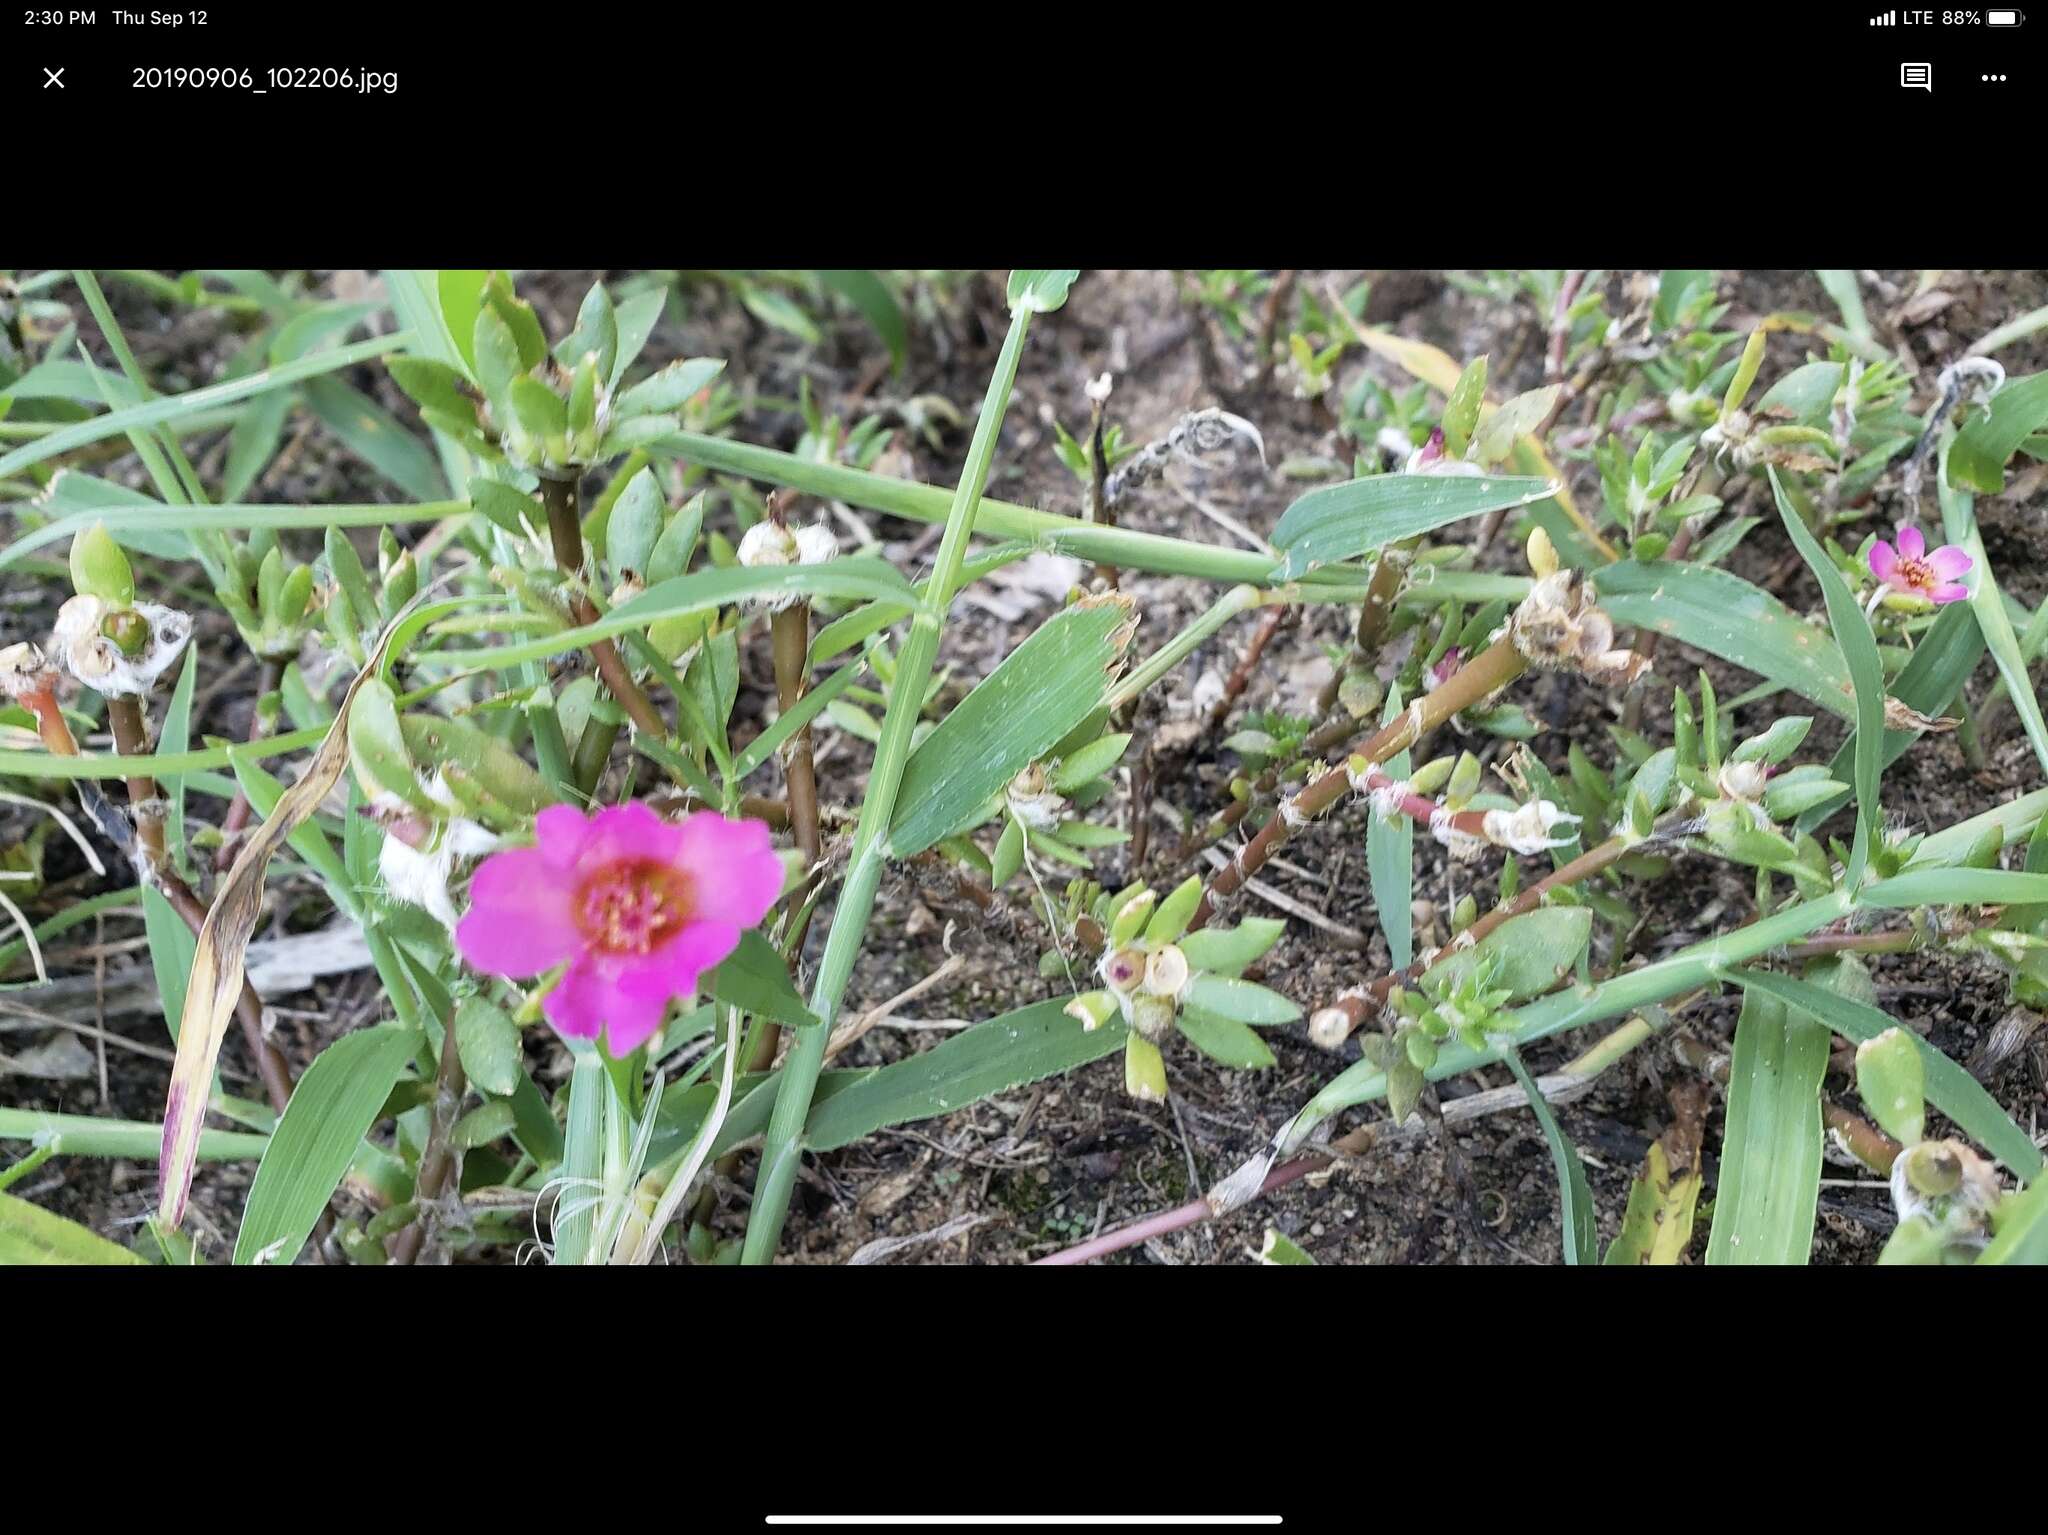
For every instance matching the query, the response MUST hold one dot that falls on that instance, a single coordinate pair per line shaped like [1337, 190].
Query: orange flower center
[1917, 574]
[633, 908]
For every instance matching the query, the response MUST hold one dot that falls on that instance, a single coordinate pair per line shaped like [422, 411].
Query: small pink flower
[639, 906]
[1911, 571]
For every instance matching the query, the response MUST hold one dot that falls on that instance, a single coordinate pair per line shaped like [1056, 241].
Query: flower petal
[591, 1001]
[562, 831]
[1912, 543]
[628, 833]
[1949, 562]
[1884, 559]
[733, 870]
[1952, 591]
[519, 922]
[676, 970]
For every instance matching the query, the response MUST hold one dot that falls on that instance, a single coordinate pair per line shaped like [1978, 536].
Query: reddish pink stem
[1193, 1213]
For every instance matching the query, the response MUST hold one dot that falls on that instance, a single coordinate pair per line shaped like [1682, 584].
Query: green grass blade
[1978, 459]
[791, 720]
[1930, 682]
[1769, 1193]
[32, 1236]
[175, 735]
[1949, 1088]
[2022, 1229]
[1725, 616]
[1956, 887]
[1044, 688]
[152, 412]
[1123, 547]
[157, 518]
[995, 1056]
[867, 293]
[332, 1108]
[1341, 522]
[1581, 1225]
[1959, 526]
[377, 437]
[1390, 860]
[1866, 672]
[852, 576]
[781, 1150]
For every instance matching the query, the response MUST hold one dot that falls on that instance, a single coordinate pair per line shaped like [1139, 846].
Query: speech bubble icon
[1921, 75]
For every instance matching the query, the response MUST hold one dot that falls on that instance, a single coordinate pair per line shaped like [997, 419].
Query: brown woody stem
[438, 1161]
[565, 528]
[1485, 674]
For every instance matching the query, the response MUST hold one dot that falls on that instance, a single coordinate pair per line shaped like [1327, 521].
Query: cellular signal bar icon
[1888, 19]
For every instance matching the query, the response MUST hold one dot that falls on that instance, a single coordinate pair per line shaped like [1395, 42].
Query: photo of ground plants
[986, 767]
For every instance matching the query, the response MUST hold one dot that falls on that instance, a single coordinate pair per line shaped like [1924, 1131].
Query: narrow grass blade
[377, 437]
[173, 737]
[1866, 673]
[1581, 1228]
[332, 1108]
[1123, 547]
[878, 306]
[1930, 682]
[1959, 526]
[1341, 522]
[853, 576]
[134, 524]
[1948, 1087]
[1006, 1052]
[2022, 1230]
[31, 1236]
[151, 413]
[791, 720]
[1045, 687]
[1725, 616]
[1956, 887]
[1978, 459]
[1771, 1149]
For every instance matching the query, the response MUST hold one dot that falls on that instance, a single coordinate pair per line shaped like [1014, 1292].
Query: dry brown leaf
[215, 983]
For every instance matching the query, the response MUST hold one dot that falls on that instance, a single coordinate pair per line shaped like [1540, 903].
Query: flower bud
[1166, 971]
[1152, 1016]
[1542, 554]
[1125, 969]
[100, 569]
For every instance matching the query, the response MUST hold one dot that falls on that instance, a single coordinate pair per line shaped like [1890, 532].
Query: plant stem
[1334, 1024]
[1123, 547]
[1373, 614]
[1558, 1086]
[565, 528]
[1485, 674]
[799, 1080]
[237, 818]
[1241, 675]
[790, 633]
[437, 1162]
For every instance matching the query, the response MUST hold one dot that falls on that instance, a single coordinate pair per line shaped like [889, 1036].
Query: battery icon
[2004, 18]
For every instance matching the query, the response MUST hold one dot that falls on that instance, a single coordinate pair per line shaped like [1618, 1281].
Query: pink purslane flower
[1911, 571]
[639, 907]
